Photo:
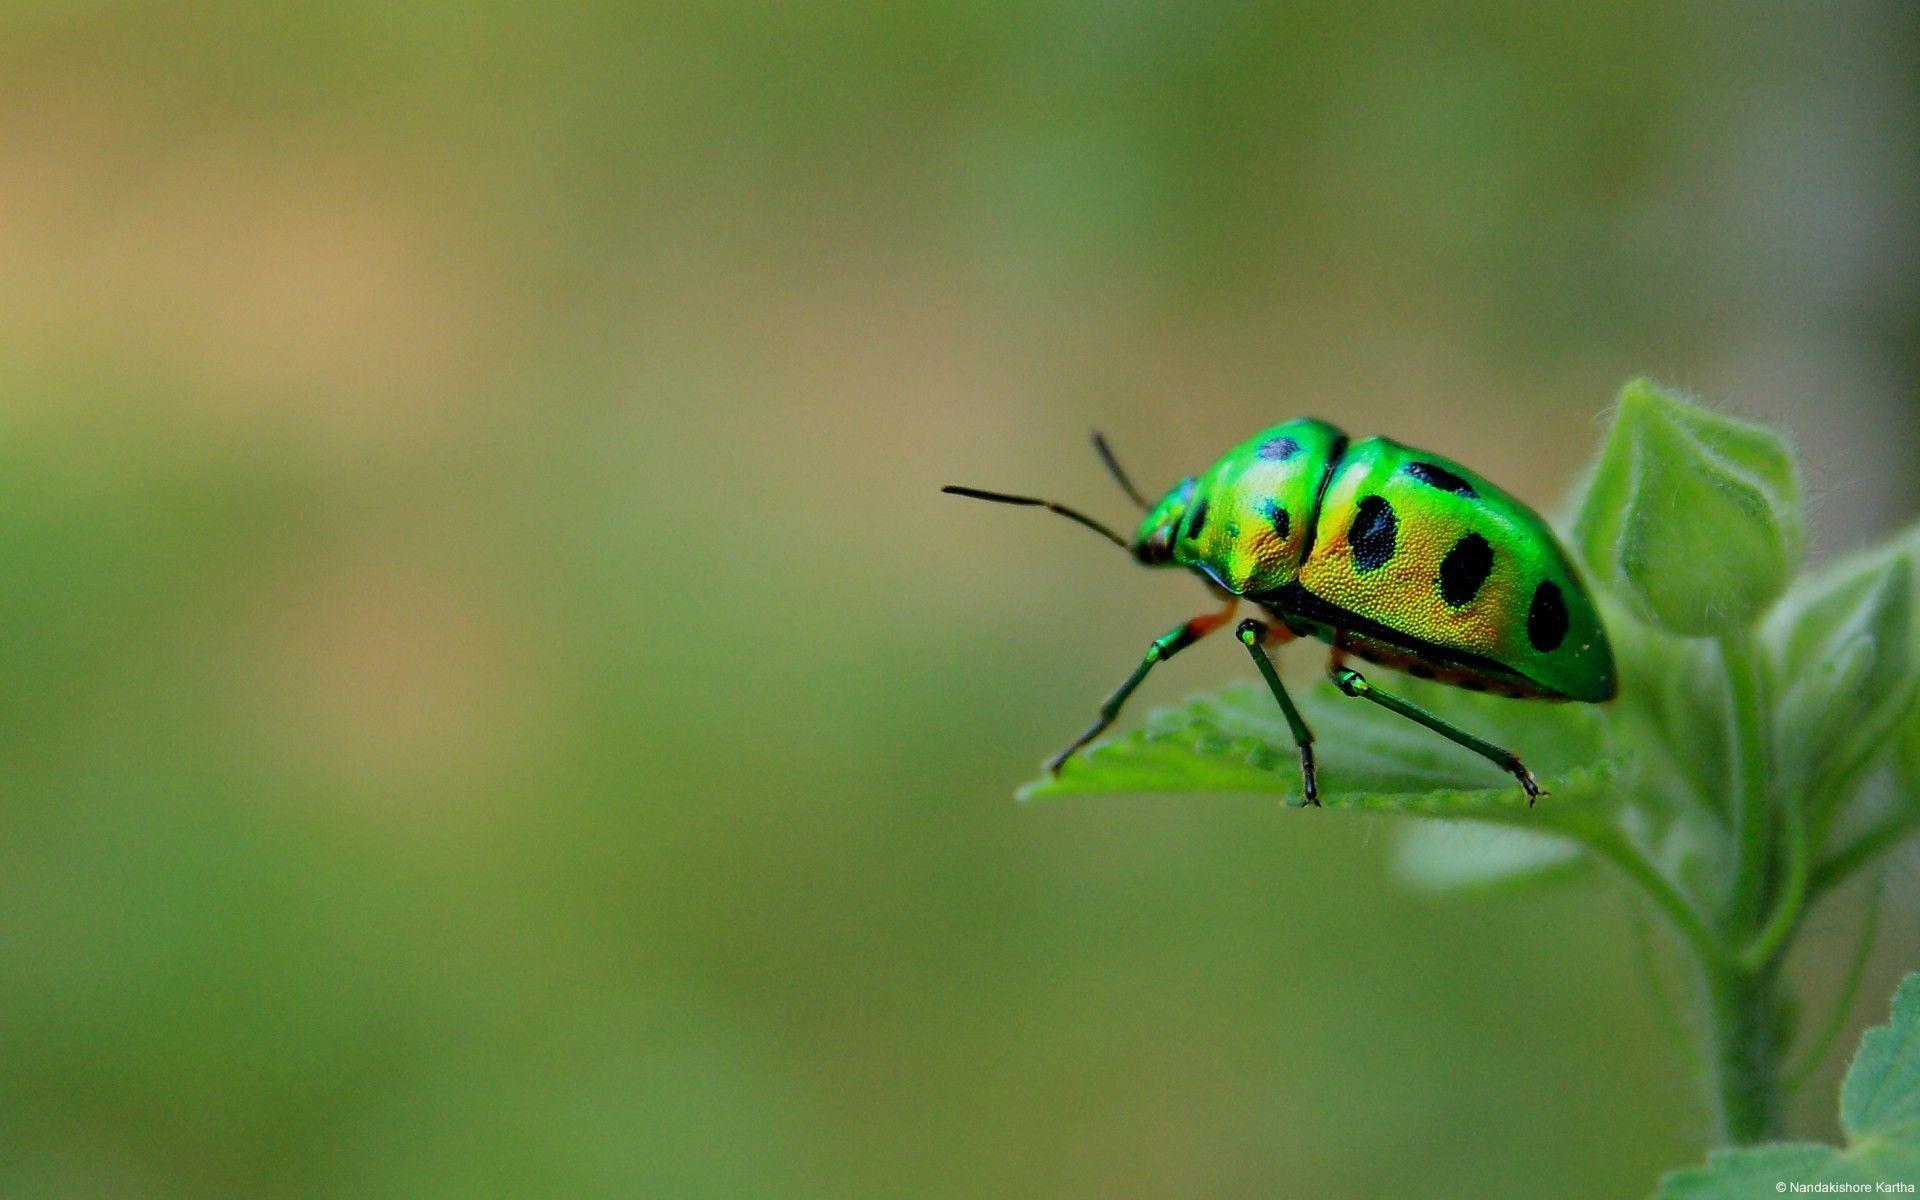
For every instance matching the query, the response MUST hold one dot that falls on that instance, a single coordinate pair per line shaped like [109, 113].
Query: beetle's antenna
[1050, 506]
[1113, 465]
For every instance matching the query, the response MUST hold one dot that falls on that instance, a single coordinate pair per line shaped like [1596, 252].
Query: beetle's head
[1153, 541]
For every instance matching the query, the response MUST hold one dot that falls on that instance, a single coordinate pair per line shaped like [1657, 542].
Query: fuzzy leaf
[1906, 759]
[1234, 740]
[1847, 646]
[1879, 1113]
[1690, 516]
[1470, 856]
[1673, 699]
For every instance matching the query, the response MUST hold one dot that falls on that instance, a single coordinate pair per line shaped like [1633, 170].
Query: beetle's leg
[1252, 633]
[1168, 644]
[1355, 684]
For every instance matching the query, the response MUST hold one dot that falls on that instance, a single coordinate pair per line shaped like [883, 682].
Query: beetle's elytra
[1391, 554]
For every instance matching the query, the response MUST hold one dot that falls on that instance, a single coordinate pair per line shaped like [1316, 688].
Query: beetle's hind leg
[1252, 635]
[1168, 644]
[1353, 683]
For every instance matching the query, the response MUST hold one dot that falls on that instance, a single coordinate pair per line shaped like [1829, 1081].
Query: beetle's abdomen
[1251, 517]
[1421, 551]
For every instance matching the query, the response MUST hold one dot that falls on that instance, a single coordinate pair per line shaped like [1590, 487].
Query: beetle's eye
[1158, 546]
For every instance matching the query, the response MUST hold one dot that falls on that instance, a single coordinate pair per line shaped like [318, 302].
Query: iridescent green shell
[1405, 557]
[1247, 521]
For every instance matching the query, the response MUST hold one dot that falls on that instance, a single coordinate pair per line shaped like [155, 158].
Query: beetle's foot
[1528, 783]
[1078, 744]
[1309, 784]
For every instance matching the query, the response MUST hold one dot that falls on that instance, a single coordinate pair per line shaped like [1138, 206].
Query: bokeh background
[492, 703]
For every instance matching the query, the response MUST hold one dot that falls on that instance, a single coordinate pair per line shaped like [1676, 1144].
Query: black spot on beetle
[1547, 617]
[1372, 533]
[1196, 519]
[1282, 523]
[1279, 449]
[1421, 671]
[1473, 685]
[1464, 569]
[1439, 477]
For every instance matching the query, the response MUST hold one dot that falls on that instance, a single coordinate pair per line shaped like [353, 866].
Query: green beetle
[1390, 554]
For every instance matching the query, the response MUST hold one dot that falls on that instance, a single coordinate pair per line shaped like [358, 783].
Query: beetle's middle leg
[1252, 634]
[1168, 644]
[1353, 683]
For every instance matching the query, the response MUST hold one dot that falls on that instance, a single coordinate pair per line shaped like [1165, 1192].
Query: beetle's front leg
[1168, 644]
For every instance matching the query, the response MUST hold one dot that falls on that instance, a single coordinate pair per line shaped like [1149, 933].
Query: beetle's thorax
[1249, 521]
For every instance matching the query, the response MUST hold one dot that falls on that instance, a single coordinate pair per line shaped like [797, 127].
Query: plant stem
[1612, 846]
[1787, 907]
[1743, 1000]
[1744, 1009]
[1747, 699]
[1863, 850]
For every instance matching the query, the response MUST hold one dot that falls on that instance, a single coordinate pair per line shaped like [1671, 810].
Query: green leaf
[1673, 697]
[1905, 752]
[1690, 516]
[1881, 1095]
[1906, 759]
[1879, 1113]
[1847, 650]
[1234, 740]
[1471, 856]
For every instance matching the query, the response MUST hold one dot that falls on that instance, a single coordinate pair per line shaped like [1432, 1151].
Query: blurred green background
[492, 703]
